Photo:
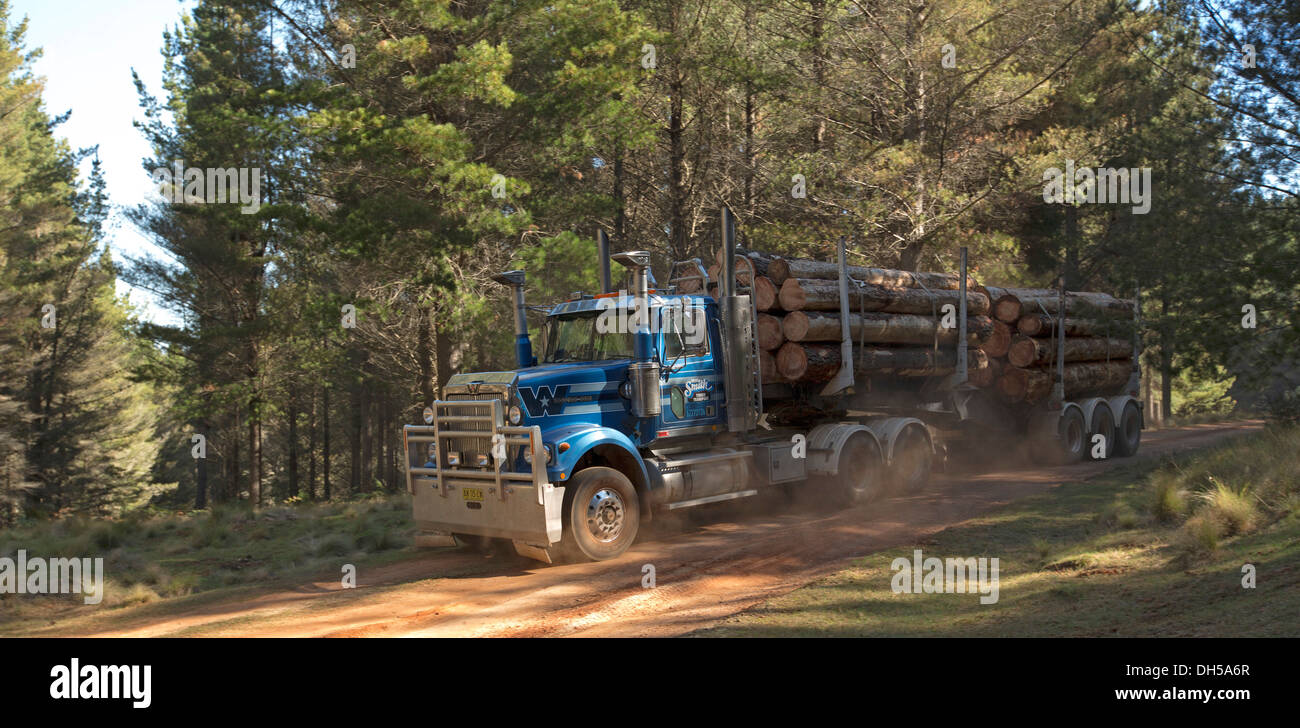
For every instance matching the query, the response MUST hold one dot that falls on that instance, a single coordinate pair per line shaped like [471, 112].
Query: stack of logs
[897, 325]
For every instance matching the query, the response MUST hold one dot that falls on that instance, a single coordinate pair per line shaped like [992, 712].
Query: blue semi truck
[650, 401]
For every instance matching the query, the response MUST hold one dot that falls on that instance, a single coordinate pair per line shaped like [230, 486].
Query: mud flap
[553, 503]
[533, 551]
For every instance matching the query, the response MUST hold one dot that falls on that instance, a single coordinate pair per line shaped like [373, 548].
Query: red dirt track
[708, 566]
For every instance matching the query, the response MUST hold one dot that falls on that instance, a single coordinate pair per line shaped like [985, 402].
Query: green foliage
[1193, 395]
[1232, 490]
[469, 139]
[1285, 409]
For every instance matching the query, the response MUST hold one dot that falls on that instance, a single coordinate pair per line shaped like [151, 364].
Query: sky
[90, 47]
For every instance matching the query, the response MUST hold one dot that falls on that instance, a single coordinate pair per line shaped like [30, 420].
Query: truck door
[691, 384]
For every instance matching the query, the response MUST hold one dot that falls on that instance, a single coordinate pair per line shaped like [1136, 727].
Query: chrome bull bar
[521, 505]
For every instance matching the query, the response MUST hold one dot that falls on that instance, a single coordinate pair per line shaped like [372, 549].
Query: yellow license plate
[472, 494]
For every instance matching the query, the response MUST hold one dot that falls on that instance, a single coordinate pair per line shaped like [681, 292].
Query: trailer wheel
[912, 460]
[858, 475]
[1070, 444]
[601, 515]
[1103, 423]
[1128, 431]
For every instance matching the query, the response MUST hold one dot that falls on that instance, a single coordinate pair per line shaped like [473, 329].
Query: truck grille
[470, 448]
[456, 423]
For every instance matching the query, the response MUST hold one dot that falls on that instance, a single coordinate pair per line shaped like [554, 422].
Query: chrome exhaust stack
[742, 384]
[644, 370]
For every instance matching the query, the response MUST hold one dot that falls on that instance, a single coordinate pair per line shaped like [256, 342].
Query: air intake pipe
[644, 370]
[523, 345]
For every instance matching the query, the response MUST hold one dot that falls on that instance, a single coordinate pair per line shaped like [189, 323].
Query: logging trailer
[568, 456]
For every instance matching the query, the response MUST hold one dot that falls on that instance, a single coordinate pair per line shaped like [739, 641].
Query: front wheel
[601, 515]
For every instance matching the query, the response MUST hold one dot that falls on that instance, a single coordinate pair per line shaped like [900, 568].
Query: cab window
[686, 333]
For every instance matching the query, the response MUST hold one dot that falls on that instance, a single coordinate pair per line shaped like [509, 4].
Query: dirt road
[707, 567]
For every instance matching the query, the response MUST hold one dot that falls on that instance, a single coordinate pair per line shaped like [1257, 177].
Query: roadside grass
[1155, 549]
[154, 557]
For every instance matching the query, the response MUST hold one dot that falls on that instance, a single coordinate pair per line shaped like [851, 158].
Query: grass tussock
[151, 556]
[1227, 492]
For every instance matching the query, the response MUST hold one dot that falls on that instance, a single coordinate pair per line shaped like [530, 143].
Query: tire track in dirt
[715, 565]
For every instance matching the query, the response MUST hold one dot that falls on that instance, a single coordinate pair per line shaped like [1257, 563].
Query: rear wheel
[1128, 431]
[913, 458]
[1069, 446]
[601, 515]
[1103, 423]
[858, 475]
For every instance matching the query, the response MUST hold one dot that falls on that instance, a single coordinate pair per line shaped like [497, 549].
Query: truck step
[711, 499]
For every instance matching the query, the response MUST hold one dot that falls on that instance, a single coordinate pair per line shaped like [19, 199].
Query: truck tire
[1071, 442]
[1103, 423]
[909, 468]
[1128, 431]
[858, 473]
[601, 515]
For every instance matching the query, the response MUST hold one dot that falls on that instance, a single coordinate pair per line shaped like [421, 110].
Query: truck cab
[500, 451]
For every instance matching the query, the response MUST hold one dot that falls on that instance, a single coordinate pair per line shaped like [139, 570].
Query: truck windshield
[574, 337]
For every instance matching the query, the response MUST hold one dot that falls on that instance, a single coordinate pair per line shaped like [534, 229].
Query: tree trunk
[987, 375]
[762, 262]
[677, 227]
[1166, 362]
[764, 292]
[1006, 307]
[442, 354]
[882, 328]
[254, 454]
[1041, 324]
[782, 269]
[201, 472]
[424, 356]
[799, 294]
[367, 437]
[325, 438]
[620, 199]
[820, 362]
[354, 437]
[819, 67]
[232, 464]
[1083, 378]
[770, 336]
[311, 449]
[999, 343]
[292, 414]
[1027, 352]
[1081, 304]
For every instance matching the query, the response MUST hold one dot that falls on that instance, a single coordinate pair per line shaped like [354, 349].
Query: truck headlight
[516, 415]
[528, 454]
[453, 459]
